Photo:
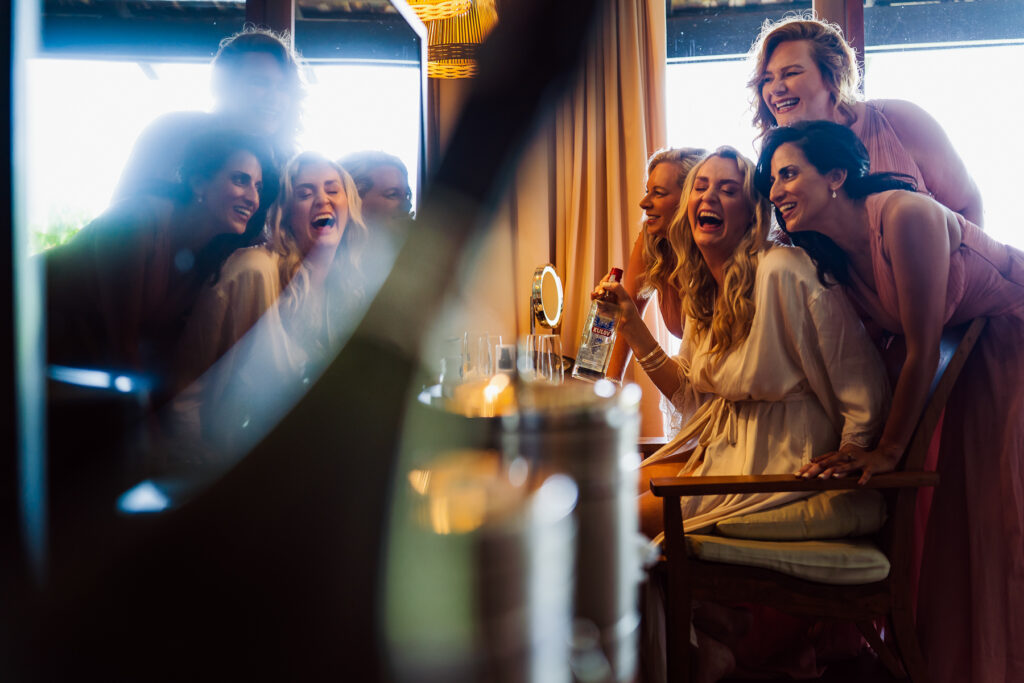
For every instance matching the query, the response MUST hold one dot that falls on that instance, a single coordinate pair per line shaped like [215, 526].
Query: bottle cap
[616, 275]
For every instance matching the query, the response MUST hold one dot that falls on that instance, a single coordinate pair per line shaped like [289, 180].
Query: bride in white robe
[774, 367]
[805, 380]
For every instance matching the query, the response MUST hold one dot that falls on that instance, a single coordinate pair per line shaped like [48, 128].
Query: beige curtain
[614, 119]
[574, 198]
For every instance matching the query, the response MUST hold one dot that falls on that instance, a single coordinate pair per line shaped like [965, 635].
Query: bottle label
[603, 327]
[593, 354]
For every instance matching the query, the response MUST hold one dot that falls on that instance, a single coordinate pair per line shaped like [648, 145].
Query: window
[85, 114]
[949, 58]
[107, 69]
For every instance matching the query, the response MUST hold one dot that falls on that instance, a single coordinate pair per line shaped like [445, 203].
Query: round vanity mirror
[546, 298]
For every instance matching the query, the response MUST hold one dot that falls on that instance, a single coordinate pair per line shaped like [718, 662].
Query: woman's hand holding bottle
[614, 293]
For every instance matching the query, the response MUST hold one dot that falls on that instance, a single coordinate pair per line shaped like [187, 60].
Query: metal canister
[480, 574]
[590, 432]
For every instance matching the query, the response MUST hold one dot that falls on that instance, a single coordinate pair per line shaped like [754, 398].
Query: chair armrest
[769, 483]
[649, 444]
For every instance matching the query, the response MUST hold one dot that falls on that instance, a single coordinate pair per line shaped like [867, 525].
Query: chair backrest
[897, 535]
[954, 348]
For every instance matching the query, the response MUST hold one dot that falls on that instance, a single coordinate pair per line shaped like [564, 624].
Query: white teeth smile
[786, 207]
[323, 220]
[243, 211]
[786, 105]
[706, 217]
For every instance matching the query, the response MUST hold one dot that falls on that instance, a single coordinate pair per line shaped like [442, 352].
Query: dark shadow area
[274, 571]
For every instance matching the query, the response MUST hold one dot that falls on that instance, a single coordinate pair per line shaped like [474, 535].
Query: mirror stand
[546, 299]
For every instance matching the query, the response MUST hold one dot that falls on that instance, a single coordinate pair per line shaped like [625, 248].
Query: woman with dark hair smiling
[118, 293]
[914, 267]
[805, 70]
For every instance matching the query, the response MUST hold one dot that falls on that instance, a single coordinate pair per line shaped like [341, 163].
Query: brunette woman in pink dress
[914, 267]
[805, 70]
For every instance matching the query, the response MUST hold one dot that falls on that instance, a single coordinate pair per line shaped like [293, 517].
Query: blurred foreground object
[590, 432]
[274, 570]
[480, 574]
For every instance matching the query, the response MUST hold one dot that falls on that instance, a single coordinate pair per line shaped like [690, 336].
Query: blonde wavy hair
[659, 258]
[726, 314]
[835, 59]
[281, 239]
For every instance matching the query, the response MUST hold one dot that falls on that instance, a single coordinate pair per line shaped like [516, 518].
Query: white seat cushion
[831, 562]
[829, 514]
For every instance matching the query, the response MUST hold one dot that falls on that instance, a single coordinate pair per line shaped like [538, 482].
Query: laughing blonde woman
[279, 309]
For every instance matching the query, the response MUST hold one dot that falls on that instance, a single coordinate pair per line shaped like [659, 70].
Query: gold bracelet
[655, 366]
[649, 356]
[653, 360]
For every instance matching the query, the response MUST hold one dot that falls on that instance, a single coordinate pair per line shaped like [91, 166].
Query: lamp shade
[435, 10]
[453, 42]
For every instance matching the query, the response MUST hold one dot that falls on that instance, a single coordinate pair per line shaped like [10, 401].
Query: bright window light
[964, 89]
[83, 118]
[353, 107]
[85, 115]
[708, 106]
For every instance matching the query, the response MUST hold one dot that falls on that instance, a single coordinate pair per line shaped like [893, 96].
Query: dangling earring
[833, 194]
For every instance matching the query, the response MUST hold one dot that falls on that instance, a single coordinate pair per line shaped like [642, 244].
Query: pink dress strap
[880, 301]
[887, 153]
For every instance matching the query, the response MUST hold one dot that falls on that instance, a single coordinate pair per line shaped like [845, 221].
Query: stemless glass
[550, 353]
[493, 342]
[527, 361]
[451, 366]
[477, 355]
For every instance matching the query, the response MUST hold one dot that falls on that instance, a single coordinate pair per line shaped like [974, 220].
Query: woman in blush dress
[652, 260]
[914, 267]
[265, 328]
[119, 292]
[804, 69]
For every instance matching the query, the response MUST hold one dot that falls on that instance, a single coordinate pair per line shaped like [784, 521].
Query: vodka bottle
[598, 338]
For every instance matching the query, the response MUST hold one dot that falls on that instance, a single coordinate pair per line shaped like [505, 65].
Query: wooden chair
[688, 578]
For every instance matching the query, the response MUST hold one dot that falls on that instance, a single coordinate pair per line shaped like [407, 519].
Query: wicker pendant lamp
[435, 10]
[453, 42]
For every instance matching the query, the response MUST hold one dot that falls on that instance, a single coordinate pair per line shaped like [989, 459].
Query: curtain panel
[573, 201]
[606, 130]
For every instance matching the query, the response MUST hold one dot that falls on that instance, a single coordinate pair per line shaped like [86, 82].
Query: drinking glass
[477, 355]
[451, 366]
[527, 361]
[493, 342]
[550, 353]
